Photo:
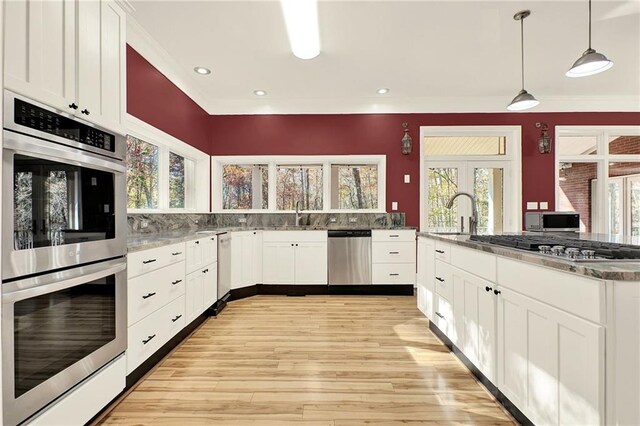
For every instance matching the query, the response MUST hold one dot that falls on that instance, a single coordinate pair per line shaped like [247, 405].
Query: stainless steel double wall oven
[63, 253]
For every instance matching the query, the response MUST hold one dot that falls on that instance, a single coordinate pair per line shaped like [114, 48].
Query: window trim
[196, 171]
[272, 161]
[602, 158]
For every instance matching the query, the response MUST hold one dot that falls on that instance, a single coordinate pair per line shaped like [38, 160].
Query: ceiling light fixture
[202, 70]
[259, 92]
[382, 91]
[523, 100]
[591, 62]
[301, 20]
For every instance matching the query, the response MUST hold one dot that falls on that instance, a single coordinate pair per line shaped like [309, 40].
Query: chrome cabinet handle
[175, 282]
[393, 275]
[394, 236]
[144, 342]
[440, 279]
[440, 251]
[149, 261]
[440, 315]
[176, 318]
[394, 252]
[176, 253]
[148, 295]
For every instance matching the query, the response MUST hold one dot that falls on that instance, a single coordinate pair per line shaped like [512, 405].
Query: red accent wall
[381, 133]
[153, 98]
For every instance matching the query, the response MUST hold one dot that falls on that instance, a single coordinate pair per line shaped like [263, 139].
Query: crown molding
[152, 51]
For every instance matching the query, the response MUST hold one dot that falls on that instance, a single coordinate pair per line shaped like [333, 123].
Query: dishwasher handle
[349, 233]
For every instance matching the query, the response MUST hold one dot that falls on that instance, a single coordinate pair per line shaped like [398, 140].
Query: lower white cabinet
[425, 276]
[393, 273]
[246, 258]
[299, 261]
[551, 363]
[149, 292]
[393, 256]
[201, 291]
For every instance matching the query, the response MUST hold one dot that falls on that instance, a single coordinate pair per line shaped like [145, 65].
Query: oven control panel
[34, 117]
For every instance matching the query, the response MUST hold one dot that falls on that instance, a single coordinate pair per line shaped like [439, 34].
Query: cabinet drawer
[443, 251]
[174, 319]
[474, 261]
[294, 236]
[390, 273]
[393, 235]
[393, 252]
[141, 262]
[145, 337]
[444, 279]
[149, 292]
[443, 315]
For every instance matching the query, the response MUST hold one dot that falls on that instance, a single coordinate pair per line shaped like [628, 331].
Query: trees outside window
[301, 184]
[142, 174]
[245, 187]
[354, 187]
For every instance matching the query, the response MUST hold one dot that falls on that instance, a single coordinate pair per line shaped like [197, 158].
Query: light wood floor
[315, 360]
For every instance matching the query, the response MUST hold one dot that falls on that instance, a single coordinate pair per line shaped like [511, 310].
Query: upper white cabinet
[295, 257]
[68, 54]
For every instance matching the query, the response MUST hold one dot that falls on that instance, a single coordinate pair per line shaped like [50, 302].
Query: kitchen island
[554, 340]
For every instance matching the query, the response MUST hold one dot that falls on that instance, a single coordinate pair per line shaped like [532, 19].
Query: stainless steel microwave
[552, 221]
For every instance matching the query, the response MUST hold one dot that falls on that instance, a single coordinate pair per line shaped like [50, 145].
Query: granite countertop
[619, 271]
[140, 242]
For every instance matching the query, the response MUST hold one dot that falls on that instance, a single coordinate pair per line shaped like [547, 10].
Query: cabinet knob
[85, 111]
[496, 292]
[487, 288]
[73, 105]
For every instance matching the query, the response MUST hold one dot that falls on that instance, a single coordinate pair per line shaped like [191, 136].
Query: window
[354, 187]
[299, 184]
[142, 174]
[245, 187]
[164, 174]
[465, 145]
[314, 183]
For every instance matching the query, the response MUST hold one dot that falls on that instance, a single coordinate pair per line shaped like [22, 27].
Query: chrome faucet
[298, 215]
[473, 220]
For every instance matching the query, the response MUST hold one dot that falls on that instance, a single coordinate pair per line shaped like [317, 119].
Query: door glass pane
[465, 145]
[634, 201]
[615, 206]
[624, 145]
[576, 191]
[577, 145]
[354, 187]
[55, 330]
[245, 187]
[442, 185]
[57, 203]
[623, 197]
[488, 189]
[301, 184]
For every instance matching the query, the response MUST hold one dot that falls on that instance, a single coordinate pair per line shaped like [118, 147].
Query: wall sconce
[406, 142]
[544, 142]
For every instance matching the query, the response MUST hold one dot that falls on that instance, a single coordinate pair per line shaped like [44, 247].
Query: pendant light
[523, 100]
[591, 62]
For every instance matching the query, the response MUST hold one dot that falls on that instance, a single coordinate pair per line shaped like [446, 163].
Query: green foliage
[142, 174]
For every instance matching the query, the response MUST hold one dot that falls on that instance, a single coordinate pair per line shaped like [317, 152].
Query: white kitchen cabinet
[311, 263]
[294, 257]
[551, 363]
[278, 263]
[69, 54]
[426, 276]
[201, 252]
[246, 259]
[40, 51]
[200, 291]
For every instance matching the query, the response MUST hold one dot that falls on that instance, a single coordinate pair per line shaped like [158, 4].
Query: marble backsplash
[159, 222]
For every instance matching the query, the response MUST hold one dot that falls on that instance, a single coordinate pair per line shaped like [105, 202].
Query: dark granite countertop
[140, 242]
[619, 271]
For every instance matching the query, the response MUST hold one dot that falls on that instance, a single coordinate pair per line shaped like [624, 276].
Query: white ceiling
[434, 56]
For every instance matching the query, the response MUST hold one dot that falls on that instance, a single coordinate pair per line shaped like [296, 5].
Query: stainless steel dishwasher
[349, 257]
[224, 272]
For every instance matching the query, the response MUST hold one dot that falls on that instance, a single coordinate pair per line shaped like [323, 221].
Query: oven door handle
[32, 287]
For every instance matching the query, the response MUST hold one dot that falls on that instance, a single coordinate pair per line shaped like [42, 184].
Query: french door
[488, 181]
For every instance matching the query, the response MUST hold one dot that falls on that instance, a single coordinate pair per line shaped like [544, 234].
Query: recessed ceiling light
[382, 91]
[259, 92]
[301, 20]
[202, 70]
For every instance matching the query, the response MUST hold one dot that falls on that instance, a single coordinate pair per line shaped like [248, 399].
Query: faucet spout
[473, 220]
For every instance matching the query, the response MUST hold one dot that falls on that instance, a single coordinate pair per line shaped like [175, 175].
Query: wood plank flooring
[315, 360]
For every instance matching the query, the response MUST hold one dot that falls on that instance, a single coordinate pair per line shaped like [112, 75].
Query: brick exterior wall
[575, 188]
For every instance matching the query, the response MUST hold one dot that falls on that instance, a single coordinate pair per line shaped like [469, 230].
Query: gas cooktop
[566, 248]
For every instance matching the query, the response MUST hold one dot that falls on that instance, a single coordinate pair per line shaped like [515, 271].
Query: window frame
[196, 168]
[602, 158]
[272, 161]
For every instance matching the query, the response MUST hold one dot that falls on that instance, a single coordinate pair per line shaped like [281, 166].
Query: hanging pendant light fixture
[523, 100]
[591, 62]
